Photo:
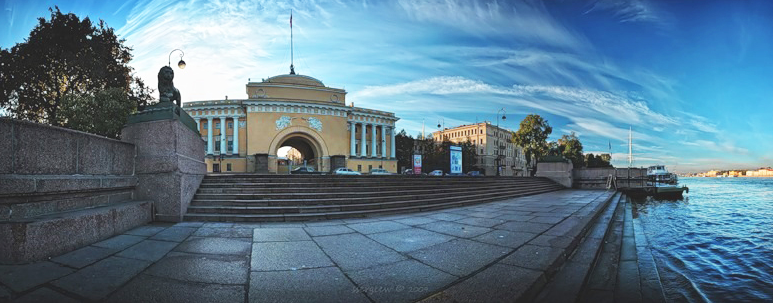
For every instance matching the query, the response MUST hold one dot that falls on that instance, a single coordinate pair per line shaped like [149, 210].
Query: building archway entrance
[303, 151]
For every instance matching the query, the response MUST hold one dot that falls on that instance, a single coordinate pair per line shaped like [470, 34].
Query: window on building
[370, 167]
[217, 124]
[228, 167]
[359, 167]
[217, 146]
[230, 143]
[230, 125]
[481, 151]
[367, 149]
[380, 166]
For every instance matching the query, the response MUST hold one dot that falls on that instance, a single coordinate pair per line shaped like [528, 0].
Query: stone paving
[488, 252]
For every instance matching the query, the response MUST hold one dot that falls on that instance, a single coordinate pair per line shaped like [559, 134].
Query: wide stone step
[330, 193]
[602, 279]
[348, 198]
[49, 235]
[343, 214]
[371, 182]
[567, 283]
[347, 207]
[267, 188]
[365, 179]
[364, 176]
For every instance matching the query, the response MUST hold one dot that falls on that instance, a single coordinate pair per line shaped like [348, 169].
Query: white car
[346, 171]
[436, 173]
[379, 171]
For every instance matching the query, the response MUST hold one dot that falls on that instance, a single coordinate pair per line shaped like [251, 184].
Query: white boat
[659, 174]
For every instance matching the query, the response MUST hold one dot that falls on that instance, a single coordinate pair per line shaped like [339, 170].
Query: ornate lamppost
[499, 156]
[180, 64]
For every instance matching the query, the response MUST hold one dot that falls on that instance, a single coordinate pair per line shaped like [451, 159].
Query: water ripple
[716, 244]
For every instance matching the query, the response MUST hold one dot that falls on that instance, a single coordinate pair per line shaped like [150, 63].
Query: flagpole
[292, 68]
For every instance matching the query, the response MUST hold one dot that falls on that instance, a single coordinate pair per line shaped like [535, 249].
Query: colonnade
[363, 140]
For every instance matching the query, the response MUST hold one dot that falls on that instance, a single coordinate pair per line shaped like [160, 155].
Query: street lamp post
[442, 130]
[499, 158]
[180, 64]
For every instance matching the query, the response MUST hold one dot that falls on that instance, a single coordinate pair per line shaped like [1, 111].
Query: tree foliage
[532, 137]
[435, 155]
[103, 113]
[571, 148]
[602, 160]
[404, 150]
[67, 60]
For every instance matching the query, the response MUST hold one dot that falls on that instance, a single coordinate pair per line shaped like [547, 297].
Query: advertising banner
[456, 159]
[417, 164]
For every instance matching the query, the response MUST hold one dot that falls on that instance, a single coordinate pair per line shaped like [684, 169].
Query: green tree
[469, 156]
[602, 160]
[404, 149]
[554, 149]
[606, 159]
[532, 137]
[104, 113]
[571, 148]
[65, 60]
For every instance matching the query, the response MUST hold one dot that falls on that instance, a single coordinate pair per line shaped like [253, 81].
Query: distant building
[299, 111]
[486, 138]
[762, 172]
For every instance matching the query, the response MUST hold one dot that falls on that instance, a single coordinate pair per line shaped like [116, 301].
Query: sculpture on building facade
[166, 90]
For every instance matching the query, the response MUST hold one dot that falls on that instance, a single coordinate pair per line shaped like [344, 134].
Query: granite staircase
[259, 198]
[612, 263]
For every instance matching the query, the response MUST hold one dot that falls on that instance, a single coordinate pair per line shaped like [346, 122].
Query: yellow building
[762, 172]
[298, 111]
[486, 138]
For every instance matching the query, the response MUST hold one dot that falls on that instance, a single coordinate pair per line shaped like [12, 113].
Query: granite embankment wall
[596, 178]
[61, 189]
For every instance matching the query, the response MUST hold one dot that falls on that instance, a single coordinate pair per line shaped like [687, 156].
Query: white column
[198, 124]
[373, 141]
[383, 142]
[222, 136]
[352, 144]
[236, 135]
[362, 140]
[210, 144]
[392, 147]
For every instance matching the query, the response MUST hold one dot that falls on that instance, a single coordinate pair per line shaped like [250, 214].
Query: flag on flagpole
[610, 145]
[291, 19]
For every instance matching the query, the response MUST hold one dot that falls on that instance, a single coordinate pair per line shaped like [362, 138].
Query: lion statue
[167, 91]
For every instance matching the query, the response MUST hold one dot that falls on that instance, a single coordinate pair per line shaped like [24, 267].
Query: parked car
[436, 172]
[474, 173]
[408, 171]
[379, 171]
[346, 171]
[303, 170]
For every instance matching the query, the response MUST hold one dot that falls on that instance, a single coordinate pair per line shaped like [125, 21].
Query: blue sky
[691, 78]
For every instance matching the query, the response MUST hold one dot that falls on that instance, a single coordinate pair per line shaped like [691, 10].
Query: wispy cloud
[527, 20]
[633, 11]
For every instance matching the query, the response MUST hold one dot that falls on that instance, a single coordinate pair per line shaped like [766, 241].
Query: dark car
[474, 173]
[303, 170]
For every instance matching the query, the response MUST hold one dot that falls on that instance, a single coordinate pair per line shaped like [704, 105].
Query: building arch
[303, 139]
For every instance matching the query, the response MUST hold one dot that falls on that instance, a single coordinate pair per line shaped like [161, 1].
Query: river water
[715, 244]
